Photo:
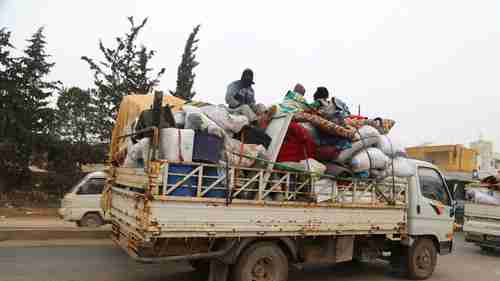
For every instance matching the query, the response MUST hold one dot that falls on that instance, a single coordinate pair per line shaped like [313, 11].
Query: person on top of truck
[334, 109]
[240, 96]
[299, 89]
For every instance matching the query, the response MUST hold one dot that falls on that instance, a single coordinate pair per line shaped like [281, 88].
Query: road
[108, 263]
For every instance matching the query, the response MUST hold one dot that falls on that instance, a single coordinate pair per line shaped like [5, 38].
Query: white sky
[430, 65]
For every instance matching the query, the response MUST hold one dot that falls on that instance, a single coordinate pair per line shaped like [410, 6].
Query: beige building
[449, 158]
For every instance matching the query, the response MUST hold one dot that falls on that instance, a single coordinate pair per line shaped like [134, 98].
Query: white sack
[176, 144]
[347, 154]
[482, 197]
[223, 119]
[366, 132]
[370, 158]
[196, 120]
[389, 147]
[403, 167]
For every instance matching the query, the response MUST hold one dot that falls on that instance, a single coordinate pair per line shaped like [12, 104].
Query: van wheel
[422, 259]
[263, 261]
[91, 220]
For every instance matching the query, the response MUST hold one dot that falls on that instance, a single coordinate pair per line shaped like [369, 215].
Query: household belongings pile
[488, 193]
[483, 196]
[322, 138]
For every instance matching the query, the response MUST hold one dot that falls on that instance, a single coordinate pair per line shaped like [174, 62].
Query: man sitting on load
[240, 96]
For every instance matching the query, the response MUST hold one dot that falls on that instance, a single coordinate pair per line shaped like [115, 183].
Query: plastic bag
[389, 147]
[223, 119]
[370, 158]
[137, 154]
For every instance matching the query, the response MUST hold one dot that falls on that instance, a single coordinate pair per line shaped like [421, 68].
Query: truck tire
[422, 259]
[262, 261]
[91, 220]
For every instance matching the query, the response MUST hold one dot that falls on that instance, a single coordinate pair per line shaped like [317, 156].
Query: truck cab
[82, 203]
[431, 208]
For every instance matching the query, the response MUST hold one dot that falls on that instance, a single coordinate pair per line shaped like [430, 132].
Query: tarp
[130, 108]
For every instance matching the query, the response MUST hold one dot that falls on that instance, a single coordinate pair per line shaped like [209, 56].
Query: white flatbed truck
[482, 225]
[281, 225]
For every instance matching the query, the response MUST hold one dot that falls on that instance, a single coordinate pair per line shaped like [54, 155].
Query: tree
[25, 117]
[36, 90]
[125, 70]
[185, 75]
[77, 116]
[7, 82]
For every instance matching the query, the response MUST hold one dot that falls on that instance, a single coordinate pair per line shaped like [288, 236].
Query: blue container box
[219, 191]
[188, 188]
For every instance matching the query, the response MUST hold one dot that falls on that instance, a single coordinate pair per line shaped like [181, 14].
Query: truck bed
[353, 209]
[482, 220]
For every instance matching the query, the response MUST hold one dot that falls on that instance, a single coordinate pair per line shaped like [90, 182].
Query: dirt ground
[27, 212]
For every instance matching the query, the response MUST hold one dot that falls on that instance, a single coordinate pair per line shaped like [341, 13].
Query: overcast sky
[431, 65]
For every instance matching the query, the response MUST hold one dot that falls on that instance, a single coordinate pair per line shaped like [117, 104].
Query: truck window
[432, 185]
[93, 186]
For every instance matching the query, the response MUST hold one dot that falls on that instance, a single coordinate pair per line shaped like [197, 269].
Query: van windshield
[73, 189]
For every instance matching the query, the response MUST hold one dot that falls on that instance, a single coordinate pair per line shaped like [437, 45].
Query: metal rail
[209, 180]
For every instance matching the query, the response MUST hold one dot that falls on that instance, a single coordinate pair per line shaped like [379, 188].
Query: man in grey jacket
[240, 92]
[240, 96]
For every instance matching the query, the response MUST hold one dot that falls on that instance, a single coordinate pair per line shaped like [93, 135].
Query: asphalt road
[108, 263]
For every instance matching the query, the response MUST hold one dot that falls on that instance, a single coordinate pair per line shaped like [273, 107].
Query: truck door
[432, 213]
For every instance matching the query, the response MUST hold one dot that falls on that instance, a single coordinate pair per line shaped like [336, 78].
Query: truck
[268, 219]
[482, 223]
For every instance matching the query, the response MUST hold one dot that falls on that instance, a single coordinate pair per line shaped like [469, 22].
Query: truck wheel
[422, 259]
[91, 220]
[263, 261]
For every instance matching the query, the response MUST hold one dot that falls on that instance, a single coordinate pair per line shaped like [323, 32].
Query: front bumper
[64, 214]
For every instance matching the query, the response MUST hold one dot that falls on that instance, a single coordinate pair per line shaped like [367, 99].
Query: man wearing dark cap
[240, 96]
[240, 92]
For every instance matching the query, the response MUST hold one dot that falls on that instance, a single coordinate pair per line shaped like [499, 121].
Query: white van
[83, 203]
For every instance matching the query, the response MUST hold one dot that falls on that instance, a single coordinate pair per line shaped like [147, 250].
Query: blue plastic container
[219, 191]
[188, 188]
